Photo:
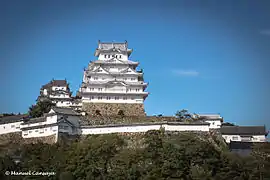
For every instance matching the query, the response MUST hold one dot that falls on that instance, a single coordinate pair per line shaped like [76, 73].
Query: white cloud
[185, 72]
[265, 32]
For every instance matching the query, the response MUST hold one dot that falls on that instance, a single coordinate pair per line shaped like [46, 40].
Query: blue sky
[204, 56]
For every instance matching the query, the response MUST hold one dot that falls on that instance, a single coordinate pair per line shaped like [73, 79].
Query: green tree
[40, 108]
[185, 116]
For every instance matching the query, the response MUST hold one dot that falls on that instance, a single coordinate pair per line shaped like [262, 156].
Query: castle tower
[57, 91]
[112, 85]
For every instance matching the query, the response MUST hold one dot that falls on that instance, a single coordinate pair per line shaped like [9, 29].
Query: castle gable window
[235, 138]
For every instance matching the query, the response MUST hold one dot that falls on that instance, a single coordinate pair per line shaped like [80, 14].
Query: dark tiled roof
[67, 111]
[54, 83]
[12, 119]
[111, 45]
[35, 120]
[243, 130]
[59, 83]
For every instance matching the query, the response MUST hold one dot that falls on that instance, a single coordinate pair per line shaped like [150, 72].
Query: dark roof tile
[243, 130]
[12, 119]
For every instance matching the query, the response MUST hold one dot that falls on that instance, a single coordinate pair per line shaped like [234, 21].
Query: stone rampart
[107, 120]
[108, 109]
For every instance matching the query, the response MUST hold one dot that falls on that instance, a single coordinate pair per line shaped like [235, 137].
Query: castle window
[62, 102]
[108, 56]
[116, 98]
[30, 132]
[95, 78]
[36, 130]
[100, 98]
[4, 127]
[105, 56]
[125, 98]
[12, 126]
[137, 90]
[132, 79]
[108, 98]
[234, 138]
[93, 97]
[99, 89]
[120, 56]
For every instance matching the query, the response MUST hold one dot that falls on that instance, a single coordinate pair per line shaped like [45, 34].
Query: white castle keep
[113, 77]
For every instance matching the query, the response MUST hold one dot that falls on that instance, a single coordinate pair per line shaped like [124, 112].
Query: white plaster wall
[59, 96]
[10, 127]
[55, 88]
[106, 130]
[45, 92]
[255, 138]
[63, 103]
[52, 119]
[186, 127]
[124, 56]
[214, 124]
[49, 120]
[140, 128]
[40, 132]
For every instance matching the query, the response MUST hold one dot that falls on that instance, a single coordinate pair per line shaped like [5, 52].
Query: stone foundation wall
[102, 120]
[107, 109]
[16, 138]
[11, 138]
[47, 139]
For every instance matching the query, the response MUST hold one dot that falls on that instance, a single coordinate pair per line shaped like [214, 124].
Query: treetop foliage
[186, 156]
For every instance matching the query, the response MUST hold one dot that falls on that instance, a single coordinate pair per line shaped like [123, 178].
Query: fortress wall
[107, 109]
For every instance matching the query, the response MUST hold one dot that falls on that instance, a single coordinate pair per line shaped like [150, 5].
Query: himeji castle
[111, 84]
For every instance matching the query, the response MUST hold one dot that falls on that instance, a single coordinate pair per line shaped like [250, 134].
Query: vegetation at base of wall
[40, 108]
[158, 156]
